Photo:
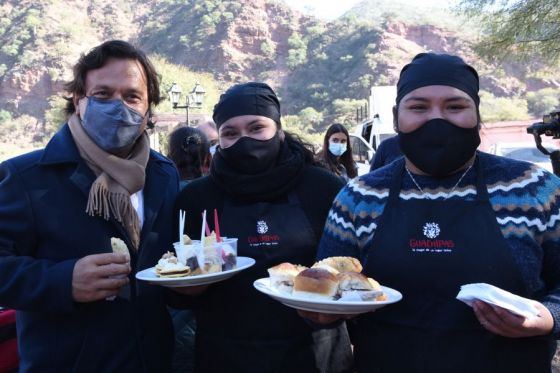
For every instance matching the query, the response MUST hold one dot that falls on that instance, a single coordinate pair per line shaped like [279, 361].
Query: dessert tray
[150, 276]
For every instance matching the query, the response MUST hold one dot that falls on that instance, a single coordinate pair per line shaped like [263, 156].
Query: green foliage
[344, 110]
[268, 48]
[519, 29]
[310, 118]
[494, 109]
[171, 73]
[5, 116]
[543, 101]
[54, 115]
[297, 54]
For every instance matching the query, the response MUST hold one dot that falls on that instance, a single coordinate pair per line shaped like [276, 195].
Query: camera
[550, 126]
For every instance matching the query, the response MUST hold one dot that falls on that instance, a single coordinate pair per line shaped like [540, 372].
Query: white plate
[326, 306]
[149, 275]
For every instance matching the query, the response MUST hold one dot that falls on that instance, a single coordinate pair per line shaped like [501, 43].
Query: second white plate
[326, 306]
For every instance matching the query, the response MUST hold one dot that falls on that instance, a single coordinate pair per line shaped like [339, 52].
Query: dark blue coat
[44, 230]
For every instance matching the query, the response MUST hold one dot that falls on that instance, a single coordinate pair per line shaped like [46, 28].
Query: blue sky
[330, 9]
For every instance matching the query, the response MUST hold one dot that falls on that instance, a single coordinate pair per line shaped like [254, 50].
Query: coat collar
[62, 149]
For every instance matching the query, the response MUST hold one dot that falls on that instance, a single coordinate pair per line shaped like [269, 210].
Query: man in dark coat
[79, 306]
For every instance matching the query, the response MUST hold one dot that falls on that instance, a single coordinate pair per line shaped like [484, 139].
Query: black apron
[427, 249]
[241, 330]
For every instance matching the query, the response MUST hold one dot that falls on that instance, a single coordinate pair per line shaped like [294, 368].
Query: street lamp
[192, 100]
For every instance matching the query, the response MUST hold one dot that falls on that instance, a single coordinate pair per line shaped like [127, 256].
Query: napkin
[498, 297]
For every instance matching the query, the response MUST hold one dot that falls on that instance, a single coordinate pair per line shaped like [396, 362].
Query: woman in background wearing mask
[270, 196]
[189, 150]
[337, 152]
[444, 216]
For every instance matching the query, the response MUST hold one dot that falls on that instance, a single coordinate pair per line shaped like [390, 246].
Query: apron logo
[431, 230]
[262, 227]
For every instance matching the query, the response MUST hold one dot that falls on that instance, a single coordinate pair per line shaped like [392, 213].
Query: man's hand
[99, 276]
[502, 322]
[191, 290]
[322, 318]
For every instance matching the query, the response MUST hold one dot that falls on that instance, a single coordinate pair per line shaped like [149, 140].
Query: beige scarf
[117, 179]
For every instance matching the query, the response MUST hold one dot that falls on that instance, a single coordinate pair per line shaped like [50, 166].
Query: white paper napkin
[499, 297]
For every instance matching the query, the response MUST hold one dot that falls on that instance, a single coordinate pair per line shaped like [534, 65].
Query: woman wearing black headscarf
[271, 197]
[445, 216]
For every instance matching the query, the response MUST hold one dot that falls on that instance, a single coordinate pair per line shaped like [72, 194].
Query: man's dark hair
[97, 58]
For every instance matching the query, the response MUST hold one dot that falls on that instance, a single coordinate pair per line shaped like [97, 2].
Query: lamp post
[192, 100]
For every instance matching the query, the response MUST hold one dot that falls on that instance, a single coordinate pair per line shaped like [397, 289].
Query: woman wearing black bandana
[270, 196]
[445, 216]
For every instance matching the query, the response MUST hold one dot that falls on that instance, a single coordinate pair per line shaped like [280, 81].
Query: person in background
[336, 154]
[444, 216]
[271, 197]
[209, 129]
[387, 152]
[79, 305]
[189, 150]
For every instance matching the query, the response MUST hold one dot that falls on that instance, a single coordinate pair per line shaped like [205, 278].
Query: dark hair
[97, 58]
[345, 159]
[305, 148]
[189, 150]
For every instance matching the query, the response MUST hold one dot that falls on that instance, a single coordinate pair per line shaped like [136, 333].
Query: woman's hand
[322, 318]
[502, 322]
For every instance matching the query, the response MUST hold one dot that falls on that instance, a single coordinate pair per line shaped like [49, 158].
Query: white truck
[376, 127]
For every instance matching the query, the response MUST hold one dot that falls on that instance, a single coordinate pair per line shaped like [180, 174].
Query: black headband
[438, 69]
[247, 99]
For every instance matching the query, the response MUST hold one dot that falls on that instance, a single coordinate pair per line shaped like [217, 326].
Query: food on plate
[353, 286]
[169, 266]
[119, 247]
[187, 240]
[229, 257]
[282, 276]
[334, 278]
[341, 264]
[315, 283]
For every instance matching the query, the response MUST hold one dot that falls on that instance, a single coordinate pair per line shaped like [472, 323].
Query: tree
[522, 28]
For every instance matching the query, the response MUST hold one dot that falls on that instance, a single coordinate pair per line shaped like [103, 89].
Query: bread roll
[316, 283]
[282, 276]
[341, 263]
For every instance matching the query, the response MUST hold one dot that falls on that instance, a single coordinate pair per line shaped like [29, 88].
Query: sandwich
[119, 247]
[315, 283]
[282, 276]
[353, 286]
[340, 264]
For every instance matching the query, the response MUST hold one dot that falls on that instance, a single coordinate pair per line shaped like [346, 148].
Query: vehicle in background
[525, 151]
[362, 153]
[376, 127]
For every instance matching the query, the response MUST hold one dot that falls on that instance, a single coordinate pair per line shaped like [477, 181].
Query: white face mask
[337, 149]
[213, 149]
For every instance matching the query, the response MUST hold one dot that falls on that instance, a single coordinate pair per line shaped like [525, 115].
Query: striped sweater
[524, 197]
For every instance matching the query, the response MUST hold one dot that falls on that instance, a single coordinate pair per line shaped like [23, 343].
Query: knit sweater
[524, 197]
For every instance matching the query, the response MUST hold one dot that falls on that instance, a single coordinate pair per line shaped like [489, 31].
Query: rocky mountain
[327, 66]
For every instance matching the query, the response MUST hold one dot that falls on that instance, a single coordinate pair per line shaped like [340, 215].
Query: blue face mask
[111, 124]
[337, 148]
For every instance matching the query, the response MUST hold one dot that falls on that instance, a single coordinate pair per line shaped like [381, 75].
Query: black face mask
[250, 156]
[438, 147]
